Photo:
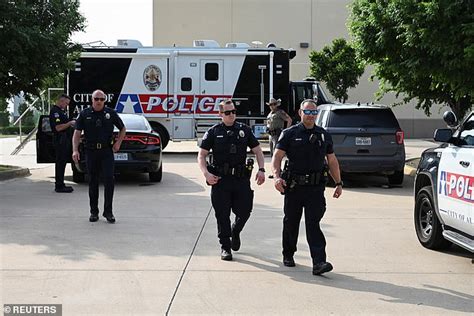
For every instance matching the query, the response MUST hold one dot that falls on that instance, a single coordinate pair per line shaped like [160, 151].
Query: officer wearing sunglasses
[229, 175]
[308, 148]
[98, 123]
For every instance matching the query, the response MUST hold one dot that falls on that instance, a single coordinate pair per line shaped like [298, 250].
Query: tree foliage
[338, 66]
[423, 49]
[35, 37]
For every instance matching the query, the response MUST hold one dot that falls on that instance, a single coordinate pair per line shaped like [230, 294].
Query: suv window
[363, 118]
[467, 132]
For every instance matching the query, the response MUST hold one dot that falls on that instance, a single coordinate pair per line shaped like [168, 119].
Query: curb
[16, 172]
[410, 170]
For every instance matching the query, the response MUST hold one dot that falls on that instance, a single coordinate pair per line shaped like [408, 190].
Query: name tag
[220, 136]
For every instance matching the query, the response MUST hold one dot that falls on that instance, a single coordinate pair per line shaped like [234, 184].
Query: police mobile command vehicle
[444, 188]
[178, 89]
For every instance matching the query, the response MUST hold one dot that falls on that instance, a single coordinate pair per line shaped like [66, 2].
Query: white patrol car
[444, 188]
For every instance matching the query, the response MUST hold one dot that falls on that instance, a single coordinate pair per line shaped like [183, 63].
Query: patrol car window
[135, 122]
[212, 72]
[467, 132]
[186, 84]
[363, 118]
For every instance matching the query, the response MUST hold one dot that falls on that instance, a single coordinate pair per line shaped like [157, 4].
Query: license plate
[121, 156]
[363, 141]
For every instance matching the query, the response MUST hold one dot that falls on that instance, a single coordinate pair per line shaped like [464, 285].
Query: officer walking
[98, 122]
[229, 174]
[307, 147]
[61, 127]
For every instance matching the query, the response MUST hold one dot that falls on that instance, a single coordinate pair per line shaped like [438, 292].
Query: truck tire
[164, 135]
[427, 225]
[396, 178]
[156, 176]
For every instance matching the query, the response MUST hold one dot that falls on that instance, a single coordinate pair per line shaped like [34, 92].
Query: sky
[110, 20]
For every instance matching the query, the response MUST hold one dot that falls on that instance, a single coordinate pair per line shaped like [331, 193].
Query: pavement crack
[187, 263]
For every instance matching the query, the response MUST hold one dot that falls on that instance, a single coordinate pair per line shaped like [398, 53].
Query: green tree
[338, 66]
[4, 115]
[423, 49]
[35, 37]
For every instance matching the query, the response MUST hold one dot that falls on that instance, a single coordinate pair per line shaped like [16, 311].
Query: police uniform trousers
[231, 194]
[311, 198]
[100, 161]
[62, 146]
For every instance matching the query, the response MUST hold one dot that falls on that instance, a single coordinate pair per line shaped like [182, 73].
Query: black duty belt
[97, 146]
[239, 171]
[307, 179]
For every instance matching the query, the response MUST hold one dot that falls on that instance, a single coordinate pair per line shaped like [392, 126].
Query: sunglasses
[99, 99]
[227, 113]
[310, 112]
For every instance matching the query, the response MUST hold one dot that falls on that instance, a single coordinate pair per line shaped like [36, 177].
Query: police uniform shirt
[229, 143]
[57, 117]
[306, 153]
[98, 126]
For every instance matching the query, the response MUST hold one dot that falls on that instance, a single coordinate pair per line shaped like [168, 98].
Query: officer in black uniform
[308, 148]
[98, 122]
[229, 174]
[61, 127]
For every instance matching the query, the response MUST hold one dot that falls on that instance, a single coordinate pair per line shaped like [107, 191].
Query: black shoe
[321, 268]
[226, 255]
[93, 218]
[235, 243]
[110, 218]
[64, 189]
[289, 262]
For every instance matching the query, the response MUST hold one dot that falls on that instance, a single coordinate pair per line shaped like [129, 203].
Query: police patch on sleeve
[56, 114]
[281, 135]
[242, 133]
[206, 135]
[58, 120]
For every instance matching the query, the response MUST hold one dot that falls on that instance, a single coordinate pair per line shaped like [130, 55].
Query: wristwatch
[261, 169]
[340, 184]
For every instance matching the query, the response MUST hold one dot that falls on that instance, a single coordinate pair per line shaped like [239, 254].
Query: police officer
[98, 122]
[307, 148]
[229, 174]
[61, 127]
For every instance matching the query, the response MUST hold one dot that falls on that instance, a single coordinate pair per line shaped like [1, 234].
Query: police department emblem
[241, 133]
[152, 77]
[107, 116]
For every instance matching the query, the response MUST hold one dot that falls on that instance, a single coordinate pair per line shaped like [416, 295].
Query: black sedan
[140, 151]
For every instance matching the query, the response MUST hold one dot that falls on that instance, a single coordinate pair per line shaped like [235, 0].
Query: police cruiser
[444, 188]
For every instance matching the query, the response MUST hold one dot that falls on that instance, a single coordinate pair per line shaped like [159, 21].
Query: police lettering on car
[229, 174]
[308, 149]
[61, 128]
[98, 123]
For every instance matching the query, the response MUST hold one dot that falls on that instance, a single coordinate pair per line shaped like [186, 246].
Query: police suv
[444, 188]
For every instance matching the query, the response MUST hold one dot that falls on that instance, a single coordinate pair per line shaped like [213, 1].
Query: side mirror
[443, 135]
[450, 118]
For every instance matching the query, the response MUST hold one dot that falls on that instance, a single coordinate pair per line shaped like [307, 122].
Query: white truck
[178, 89]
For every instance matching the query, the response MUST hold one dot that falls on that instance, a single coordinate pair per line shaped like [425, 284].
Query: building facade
[303, 25]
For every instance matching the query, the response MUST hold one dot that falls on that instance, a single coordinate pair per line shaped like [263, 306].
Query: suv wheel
[427, 225]
[396, 178]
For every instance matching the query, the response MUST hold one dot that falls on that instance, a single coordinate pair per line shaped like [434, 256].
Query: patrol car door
[456, 181]
[45, 152]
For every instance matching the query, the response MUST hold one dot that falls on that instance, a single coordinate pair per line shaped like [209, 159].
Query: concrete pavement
[162, 256]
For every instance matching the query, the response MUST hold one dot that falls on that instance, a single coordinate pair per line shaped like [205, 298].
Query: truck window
[212, 72]
[186, 84]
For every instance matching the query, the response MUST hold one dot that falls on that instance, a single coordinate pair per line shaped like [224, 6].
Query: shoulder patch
[56, 114]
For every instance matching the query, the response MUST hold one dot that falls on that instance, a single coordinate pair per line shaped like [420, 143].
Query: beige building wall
[286, 23]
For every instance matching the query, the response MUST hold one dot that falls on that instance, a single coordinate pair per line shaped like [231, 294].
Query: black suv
[367, 139]
[444, 188]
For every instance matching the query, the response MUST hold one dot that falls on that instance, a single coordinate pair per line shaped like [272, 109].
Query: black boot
[226, 254]
[322, 267]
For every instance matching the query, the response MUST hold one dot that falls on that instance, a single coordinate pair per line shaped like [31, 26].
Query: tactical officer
[307, 147]
[98, 122]
[229, 174]
[61, 127]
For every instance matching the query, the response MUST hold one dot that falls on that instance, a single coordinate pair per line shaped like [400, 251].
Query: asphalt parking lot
[162, 255]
